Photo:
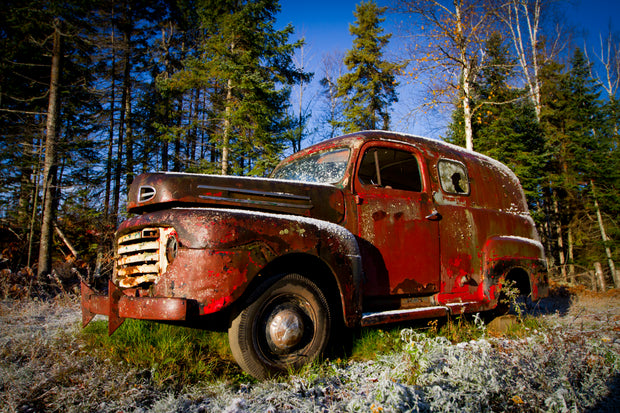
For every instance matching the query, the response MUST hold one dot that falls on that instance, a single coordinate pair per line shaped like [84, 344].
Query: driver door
[397, 223]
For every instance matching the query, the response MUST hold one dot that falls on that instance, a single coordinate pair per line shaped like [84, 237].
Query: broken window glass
[453, 177]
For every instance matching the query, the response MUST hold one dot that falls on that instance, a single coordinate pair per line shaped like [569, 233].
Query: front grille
[141, 256]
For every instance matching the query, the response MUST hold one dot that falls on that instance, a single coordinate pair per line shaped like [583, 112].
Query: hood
[164, 190]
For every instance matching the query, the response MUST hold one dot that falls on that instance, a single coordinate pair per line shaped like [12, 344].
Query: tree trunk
[226, 138]
[300, 132]
[35, 197]
[49, 174]
[601, 225]
[527, 58]
[108, 170]
[126, 95]
[467, 115]
[558, 228]
[571, 256]
[598, 269]
[178, 119]
[466, 73]
[25, 185]
[66, 241]
[193, 132]
[129, 160]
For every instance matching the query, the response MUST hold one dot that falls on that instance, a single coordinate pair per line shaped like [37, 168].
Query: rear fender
[501, 254]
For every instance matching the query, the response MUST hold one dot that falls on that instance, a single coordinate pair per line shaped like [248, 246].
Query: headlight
[172, 248]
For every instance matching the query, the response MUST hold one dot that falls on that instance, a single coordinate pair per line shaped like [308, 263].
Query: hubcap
[286, 329]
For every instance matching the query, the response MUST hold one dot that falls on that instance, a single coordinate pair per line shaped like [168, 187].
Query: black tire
[284, 325]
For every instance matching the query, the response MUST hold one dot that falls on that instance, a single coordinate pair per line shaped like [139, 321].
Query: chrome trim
[256, 202]
[307, 201]
[146, 193]
[254, 192]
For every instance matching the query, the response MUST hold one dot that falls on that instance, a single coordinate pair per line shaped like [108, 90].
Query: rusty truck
[364, 229]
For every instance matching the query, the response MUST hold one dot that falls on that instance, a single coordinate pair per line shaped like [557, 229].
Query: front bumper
[118, 306]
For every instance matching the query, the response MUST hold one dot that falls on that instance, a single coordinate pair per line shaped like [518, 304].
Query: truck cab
[368, 228]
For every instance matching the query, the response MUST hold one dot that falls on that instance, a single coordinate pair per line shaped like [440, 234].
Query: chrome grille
[141, 256]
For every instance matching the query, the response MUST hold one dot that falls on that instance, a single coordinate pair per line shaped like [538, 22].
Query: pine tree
[370, 86]
[48, 97]
[331, 118]
[580, 170]
[505, 126]
[246, 66]
[588, 159]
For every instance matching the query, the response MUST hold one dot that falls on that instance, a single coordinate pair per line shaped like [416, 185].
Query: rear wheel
[283, 325]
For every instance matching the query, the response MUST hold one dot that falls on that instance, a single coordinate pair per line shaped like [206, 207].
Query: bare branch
[22, 112]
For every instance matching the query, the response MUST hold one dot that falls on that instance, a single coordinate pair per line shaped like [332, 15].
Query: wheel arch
[517, 259]
[316, 270]
[521, 279]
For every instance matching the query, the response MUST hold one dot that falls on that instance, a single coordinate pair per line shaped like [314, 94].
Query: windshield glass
[323, 167]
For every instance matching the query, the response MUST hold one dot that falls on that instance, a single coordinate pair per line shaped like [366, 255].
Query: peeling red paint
[216, 305]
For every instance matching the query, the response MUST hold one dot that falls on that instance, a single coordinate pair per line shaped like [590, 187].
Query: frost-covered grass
[553, 362]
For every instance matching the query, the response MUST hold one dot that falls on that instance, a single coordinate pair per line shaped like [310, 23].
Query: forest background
[94, 92]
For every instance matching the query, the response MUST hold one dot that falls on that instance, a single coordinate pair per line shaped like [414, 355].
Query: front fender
[223, 250]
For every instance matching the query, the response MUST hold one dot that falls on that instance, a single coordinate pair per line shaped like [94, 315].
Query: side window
[453, 177]
[390, 168]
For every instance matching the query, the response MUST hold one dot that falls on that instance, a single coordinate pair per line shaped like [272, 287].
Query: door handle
[433, 216]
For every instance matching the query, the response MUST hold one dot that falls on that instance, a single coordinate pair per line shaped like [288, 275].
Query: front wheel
[284, 324]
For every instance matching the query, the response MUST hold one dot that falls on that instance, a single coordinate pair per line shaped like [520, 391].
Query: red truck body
[378, 227]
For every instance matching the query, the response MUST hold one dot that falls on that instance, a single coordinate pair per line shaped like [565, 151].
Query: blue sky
[324, 23]
[325, 26]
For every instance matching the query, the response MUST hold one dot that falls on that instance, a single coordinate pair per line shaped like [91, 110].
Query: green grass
[525, 327]
[171, 356]
[369, 342]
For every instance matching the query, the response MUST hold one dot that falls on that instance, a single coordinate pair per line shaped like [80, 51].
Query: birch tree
[332, 69]
[300, 132]
[523, 20]
[608, 77]
[447, 50]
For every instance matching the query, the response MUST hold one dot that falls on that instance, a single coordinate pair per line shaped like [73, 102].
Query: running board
[396, 316]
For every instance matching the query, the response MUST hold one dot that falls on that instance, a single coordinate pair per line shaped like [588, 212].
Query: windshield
[323, 167]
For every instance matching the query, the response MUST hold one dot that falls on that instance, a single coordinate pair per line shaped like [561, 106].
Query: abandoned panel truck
[364, 229]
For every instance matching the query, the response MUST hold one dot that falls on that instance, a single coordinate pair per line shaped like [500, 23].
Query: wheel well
[312, 268]
[521, 280]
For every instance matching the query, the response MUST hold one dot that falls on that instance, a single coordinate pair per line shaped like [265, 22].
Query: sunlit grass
[170, 355]
[369, 342]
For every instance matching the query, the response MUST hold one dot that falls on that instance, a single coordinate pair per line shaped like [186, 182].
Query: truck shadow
[554, 304]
